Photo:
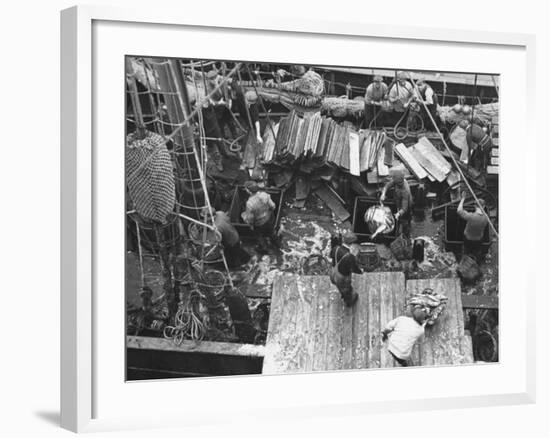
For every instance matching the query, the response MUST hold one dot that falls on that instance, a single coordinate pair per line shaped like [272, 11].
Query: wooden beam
[479, 301]
[207, 347]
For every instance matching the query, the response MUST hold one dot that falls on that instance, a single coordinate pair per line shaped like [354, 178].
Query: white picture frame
[82, 368]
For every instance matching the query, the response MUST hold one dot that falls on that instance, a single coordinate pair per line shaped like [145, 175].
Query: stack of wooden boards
[323, 139]
[424, 160]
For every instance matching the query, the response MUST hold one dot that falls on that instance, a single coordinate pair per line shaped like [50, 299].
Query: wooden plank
[334, 353]
[318, 288]
[347, 335]
[382, 169]
[435, 156]
[333, 202]
[492, 170]
[374, 324]
[187, 346]
[494, 161]
[426, 158]
[354, 164]
[249, 156]
[360, 322]
[273, 347]
[365, 152]
[388, 152]
[305, 289]
[386, 315]
[467, 349]
[410, 161]
[442, 341]
[494, 152]
[430, 169]
[479, 301]
[289, 335]
[321, 329]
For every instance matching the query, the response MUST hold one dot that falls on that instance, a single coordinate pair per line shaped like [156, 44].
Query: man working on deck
[259, 215]
[374, 97]
[479, 145]
[400, 95]
[474, 230]
[403, 200]
[344, 263]
[229, 236]
[402, 333]
[428, 96]
[221, 101]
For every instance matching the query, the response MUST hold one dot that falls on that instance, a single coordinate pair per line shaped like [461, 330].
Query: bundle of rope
[188, 322]
[150, 176]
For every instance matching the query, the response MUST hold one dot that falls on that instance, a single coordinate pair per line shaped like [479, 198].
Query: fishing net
[343, 107]
[310, 83]
[150, 176]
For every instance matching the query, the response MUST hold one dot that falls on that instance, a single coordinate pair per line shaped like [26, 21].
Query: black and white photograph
[288, 218]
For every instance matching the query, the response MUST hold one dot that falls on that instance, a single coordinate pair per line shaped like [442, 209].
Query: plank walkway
[310, 329]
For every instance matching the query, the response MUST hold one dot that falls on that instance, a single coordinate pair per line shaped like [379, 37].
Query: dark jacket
[402, 197]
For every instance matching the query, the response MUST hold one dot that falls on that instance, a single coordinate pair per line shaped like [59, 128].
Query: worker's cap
[398, 176]
[464, 124]
[212, 74]
[377, 78]
[251, 186]
[251, 96]
[482, 203]
[421, 82]
[349, 238]
[402, 75]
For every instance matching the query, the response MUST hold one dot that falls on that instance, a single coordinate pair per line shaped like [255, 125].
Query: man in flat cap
[403, 200]
[374, 97]
[400, 94]
[221, 101]
[479, 145]
[344, 263]
[259, 215]
[429, 97]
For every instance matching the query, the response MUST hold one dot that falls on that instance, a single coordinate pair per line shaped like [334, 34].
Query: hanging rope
[140, 254]
[262, 105]
[455, 162]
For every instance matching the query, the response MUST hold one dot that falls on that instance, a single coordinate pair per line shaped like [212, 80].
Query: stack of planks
[310, 328]
[424, 160]
[435, 165]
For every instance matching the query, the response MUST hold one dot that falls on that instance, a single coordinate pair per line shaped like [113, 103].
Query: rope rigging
[457, 167]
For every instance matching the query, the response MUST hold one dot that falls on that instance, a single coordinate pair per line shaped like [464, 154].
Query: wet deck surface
[310, 328]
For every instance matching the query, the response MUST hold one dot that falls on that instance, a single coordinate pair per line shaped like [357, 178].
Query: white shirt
[400, 94]
[405, 331]
[429, 96]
